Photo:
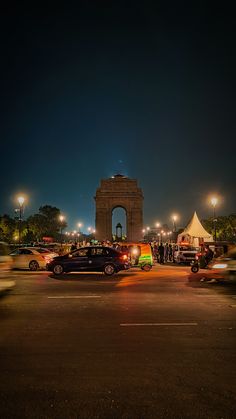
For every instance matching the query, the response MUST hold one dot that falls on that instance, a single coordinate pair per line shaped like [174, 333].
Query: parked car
[6, 283]
[92, 258]
[184, 253]
[32, 258]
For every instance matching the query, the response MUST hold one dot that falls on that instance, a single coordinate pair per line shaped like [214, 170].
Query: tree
[36, 227]
[46, 223]
[8, 228]
[225, 227]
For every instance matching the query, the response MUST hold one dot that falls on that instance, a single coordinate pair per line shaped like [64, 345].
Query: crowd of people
[162, 252]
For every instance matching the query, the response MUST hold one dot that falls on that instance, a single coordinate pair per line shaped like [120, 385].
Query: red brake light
[124, 257]
[46, 257]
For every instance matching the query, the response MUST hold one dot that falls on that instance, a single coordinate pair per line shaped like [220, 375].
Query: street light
[174, 219]
[61, 218]
[79, 225]
[21, 201]
[162, 232]
[214, 202]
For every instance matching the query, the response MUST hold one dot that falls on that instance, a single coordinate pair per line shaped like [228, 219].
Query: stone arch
[113, 215]
[119, 191]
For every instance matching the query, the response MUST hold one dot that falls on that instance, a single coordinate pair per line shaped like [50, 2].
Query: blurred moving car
[32, 258]
[226, 264]
[184, 253]
[6, 282]
[92, 258]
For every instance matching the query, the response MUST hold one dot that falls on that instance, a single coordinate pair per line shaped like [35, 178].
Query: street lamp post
[61, 218]
[21, 201]
[174, 218]
[162, 232]
[214, 202]
[79, 231]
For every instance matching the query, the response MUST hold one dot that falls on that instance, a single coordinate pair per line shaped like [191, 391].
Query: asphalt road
[137, 345]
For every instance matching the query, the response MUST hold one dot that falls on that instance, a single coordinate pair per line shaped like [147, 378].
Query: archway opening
[119, 224]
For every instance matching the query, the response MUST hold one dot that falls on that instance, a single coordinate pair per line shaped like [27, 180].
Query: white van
[184, 253]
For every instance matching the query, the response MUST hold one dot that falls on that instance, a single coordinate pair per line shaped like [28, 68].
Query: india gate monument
[119, 191]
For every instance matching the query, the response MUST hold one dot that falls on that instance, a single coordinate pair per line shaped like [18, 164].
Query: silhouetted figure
[73, 246]
[161, 251]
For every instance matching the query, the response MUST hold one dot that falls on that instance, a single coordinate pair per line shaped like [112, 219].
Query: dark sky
[147, 91]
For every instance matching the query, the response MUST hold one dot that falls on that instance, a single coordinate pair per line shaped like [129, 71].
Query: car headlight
[219, 266]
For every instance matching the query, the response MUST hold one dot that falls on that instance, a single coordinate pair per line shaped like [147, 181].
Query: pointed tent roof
[195, 228]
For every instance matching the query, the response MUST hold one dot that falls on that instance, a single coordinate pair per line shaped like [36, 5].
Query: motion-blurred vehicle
[140, 254]
[184, 253]
[6, 283]
[226, 264]
[92, 258]
[5, 258]
[33, 258]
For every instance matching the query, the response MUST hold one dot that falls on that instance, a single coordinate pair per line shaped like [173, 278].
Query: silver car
[32, 258]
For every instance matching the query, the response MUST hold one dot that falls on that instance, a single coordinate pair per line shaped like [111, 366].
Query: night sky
[147, 91]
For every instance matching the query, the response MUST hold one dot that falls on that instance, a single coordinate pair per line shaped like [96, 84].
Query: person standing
[166, 252]
[161, 251]
[73, 246]
[170, 252]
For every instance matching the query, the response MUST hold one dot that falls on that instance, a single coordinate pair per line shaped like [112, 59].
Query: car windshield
[43, 250]
[80, 253]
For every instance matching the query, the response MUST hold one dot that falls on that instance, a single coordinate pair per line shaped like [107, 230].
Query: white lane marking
[158, 324]
[74, 296]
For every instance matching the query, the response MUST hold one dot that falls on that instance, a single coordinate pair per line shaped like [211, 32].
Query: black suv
[91, 258]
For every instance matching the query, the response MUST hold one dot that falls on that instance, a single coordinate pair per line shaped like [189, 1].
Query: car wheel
[33, 265]
[194, 269]
[58, 269]
[146, 268]
[109, 269]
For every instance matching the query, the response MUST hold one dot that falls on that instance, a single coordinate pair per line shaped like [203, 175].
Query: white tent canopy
[195, 233]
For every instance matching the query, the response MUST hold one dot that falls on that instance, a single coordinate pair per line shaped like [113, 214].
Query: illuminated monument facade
[119, 192]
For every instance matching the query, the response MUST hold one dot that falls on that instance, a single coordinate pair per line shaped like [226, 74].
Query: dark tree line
[225, 227]
[45, 223]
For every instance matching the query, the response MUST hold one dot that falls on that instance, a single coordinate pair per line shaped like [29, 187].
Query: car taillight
[47, 258]
[124, 257]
